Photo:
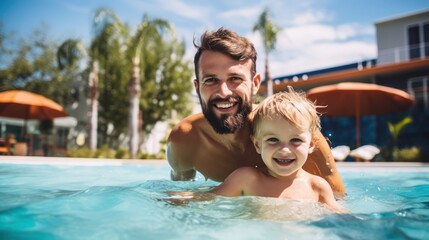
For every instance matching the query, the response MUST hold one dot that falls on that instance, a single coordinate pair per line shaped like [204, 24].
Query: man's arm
[179, 157]
[181, 169]
[321, 163]
[182, 150]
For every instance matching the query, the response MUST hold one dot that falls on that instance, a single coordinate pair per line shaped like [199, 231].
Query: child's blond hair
[292, 106]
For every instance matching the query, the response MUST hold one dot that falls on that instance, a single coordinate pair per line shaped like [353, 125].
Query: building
[402, 62]
[37, 143]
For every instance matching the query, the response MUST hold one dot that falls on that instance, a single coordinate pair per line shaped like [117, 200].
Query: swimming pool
[112, 200]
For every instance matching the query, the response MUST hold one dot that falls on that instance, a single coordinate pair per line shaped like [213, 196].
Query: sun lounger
[364, 153]
[340, 153]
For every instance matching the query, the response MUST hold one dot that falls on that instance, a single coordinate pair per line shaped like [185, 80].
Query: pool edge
[342, 166]
[78, 161]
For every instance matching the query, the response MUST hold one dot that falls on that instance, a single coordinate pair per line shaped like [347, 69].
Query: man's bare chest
[217, 161]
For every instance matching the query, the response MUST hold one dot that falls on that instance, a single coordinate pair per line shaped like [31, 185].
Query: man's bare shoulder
[188, 128]
[181, 151]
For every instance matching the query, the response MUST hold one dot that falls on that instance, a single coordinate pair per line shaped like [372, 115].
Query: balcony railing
[403, 53]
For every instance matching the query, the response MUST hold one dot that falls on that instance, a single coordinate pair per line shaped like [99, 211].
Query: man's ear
[256, 81]
[196, 85]
[256, 144]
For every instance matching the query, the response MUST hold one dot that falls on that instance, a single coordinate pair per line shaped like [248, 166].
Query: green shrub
[106, 152]
[122, 153]
[83, 152]
[412, 154]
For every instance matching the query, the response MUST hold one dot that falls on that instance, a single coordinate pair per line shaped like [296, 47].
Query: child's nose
[285, 148]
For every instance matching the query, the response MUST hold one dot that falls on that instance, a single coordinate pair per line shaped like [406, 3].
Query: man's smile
[224, 105]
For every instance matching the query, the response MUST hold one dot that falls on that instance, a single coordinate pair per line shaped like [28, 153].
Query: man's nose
[224, 90]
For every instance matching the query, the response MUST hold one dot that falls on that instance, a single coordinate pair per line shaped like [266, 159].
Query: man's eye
[209, 81]
[236, 79]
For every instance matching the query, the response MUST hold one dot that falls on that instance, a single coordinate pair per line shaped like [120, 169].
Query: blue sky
[316, 33]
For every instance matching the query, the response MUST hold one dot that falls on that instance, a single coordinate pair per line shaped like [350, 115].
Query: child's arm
[326, 196]
[236, 183]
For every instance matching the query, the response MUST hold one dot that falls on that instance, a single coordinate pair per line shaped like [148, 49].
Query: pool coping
[343, 166]
[383, 166]
[78, 161]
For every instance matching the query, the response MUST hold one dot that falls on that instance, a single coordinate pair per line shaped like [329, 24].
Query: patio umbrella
[358, 99]
[26, 105]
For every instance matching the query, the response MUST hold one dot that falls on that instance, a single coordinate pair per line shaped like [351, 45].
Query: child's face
[283, 147]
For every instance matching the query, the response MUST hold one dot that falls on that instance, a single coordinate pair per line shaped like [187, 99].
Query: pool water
[130, 202]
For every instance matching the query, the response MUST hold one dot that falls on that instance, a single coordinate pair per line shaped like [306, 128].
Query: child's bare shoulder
[318, 182]
[248, 173]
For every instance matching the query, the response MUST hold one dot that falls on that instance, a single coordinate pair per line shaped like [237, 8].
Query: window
[426, 38]
[61, 137]
[414, 42]
[418, 88]
[418, 40]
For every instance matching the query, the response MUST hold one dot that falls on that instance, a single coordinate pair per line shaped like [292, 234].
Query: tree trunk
[134, 90]
[268, 78]
[93, 107]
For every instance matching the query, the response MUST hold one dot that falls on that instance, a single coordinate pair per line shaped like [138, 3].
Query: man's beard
[226, 123]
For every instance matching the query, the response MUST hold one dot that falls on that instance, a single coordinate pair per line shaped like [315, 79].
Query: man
[217, 141]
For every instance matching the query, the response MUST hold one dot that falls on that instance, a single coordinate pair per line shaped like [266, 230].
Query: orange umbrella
[357, 99]
[27, 105]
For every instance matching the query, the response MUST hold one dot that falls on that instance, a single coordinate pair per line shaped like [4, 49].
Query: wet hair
[227, 42]
[292, 106]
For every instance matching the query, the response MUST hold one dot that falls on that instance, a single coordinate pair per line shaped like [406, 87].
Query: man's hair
[226, 42]
[292, 106]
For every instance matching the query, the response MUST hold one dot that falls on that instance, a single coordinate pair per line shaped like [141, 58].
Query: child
[283, 152]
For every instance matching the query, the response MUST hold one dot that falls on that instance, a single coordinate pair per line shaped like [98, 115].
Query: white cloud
[309, 40]
[195, 12]
[241, 14]
[321, 55]
[301, 36]
[311, 44]
[166, 9]
[309, 17]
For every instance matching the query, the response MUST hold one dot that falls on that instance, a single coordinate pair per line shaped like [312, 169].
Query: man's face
[225, 89]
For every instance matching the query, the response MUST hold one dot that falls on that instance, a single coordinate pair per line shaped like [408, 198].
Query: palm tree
[106, 25]
[269, 32]
[93, 106]
[68, 55]
[149, 32]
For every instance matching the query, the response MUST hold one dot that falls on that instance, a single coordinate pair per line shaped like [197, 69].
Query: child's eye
[272, 140]
[296, 140]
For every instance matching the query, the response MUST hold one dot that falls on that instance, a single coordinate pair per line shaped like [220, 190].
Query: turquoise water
[130, 202]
